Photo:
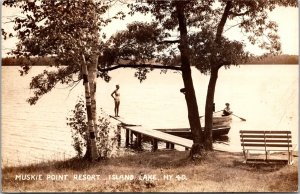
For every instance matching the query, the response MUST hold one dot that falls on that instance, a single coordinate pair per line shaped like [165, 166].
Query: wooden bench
[266, 141]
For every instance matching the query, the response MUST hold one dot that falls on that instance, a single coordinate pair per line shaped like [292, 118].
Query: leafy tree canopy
[63, 30]
[206, 27]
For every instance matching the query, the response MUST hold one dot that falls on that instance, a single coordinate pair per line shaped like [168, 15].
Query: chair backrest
[281, 140]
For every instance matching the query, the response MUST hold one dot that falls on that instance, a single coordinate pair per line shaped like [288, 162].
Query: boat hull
[220, 121]
[186, 132]
[221, 127]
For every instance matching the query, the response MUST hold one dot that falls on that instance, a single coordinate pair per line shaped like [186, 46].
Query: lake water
[266, 96]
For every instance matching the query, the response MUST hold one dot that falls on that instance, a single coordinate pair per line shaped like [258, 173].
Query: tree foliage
[140, 45]
[228, 52]
[61, 30]
[208, 48]
[106, 137]
[203, 19]
[252, 17]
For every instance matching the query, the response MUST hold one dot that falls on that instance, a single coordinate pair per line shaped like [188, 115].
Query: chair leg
[267, 155]
[290, 158]
[246, 155]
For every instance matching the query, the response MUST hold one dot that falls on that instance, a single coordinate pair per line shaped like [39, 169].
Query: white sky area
[286, 18]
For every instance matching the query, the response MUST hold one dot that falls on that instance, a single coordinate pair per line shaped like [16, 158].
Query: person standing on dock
[227, 110]
[116, 97]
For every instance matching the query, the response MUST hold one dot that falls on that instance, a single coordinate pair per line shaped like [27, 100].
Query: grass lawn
[147, 171]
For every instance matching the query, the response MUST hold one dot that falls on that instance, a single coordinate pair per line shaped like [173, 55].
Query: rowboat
[221, 121]
[221, 126]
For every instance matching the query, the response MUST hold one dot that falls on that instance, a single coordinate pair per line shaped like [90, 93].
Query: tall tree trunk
[213, 79]
[209, 106]
[192, 106]
[92, 69]
[92, 152]
[92, 76]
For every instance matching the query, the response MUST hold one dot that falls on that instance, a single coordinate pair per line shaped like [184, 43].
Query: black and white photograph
[149, 96]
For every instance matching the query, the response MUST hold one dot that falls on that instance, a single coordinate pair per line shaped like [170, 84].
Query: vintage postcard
[149, 96]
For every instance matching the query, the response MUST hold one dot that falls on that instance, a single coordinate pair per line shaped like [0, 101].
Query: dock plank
[161, 136]
[121, 120]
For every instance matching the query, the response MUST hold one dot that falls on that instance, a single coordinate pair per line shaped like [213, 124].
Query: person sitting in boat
[227, 110]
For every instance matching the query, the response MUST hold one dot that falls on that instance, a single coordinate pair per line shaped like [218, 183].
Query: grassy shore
[218, 172]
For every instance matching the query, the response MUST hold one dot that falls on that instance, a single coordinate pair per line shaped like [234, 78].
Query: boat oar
[213, 112]
[239, 117]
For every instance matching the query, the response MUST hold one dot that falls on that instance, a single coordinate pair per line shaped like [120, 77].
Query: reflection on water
[267, 96]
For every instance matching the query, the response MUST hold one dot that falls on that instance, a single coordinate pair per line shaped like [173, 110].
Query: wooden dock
[142, 133]
[155, 136]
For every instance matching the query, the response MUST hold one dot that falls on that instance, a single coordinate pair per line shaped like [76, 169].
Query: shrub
[106, 134]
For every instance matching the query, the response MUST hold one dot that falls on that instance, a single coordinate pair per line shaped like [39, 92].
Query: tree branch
[177, 68]
[74, 85]
[168, 41]
[232, 26]
[223, 22]
[239, 14]
[220, 29]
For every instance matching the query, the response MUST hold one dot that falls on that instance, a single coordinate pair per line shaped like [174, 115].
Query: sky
[287, 19]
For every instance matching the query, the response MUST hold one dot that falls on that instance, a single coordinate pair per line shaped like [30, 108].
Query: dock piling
[155, 145]
[131, 137]
[167, 145]
[172, 146]
[139, 141]
[119, 135]
[127, 139]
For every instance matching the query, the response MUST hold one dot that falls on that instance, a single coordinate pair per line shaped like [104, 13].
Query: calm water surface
[266, 96]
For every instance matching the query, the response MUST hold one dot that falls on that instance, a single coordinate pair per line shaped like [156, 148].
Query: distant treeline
[271, 59]
[38, 61]
[47, 61]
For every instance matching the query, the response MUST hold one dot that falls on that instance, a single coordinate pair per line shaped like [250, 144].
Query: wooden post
[167, 145]
[119, 135]
[127, 138]
[142, 138]
[154, 143]
[139, 141]
[131, 137]
[172, 146]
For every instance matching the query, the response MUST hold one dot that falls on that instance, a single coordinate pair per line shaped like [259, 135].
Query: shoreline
[164, 170]
[120, 153]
